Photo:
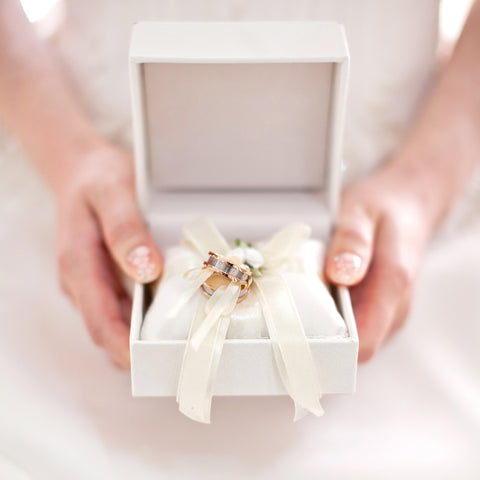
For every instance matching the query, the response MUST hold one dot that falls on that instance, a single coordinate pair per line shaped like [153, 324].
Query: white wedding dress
[67, 413]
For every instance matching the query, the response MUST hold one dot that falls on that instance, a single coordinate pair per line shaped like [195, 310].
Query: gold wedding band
[239, 274]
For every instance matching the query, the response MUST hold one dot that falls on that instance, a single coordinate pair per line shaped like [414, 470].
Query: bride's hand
[101, 234]
[100, 226]
[386, 220]
[383, 227]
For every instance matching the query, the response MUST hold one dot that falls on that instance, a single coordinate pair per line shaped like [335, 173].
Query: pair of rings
[239, 274]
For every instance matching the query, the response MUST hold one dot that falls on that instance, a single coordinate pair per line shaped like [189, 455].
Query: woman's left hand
[382, 230]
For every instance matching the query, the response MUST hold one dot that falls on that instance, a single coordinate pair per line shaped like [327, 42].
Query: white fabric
[66, 412]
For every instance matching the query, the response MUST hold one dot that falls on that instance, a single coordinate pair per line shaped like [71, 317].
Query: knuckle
[109, 196]
[117, 182]
[112, 186]
[352, 234]
[119, 232]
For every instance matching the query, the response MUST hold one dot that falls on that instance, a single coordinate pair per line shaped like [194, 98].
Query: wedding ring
[239, 274]
[209, 291]
[236, 273]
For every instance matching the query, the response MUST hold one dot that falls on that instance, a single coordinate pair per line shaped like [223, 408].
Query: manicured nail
[141, 261]
[346, 267]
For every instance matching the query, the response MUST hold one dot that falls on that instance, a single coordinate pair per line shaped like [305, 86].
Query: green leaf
[257, 272]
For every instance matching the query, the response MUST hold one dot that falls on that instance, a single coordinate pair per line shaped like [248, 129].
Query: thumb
[351, 247]
[126, 235]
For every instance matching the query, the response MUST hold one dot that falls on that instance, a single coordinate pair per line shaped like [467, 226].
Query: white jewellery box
[241, 122]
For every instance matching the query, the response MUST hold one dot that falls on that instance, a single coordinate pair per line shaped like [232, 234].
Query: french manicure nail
[141, 261]
[346, 267]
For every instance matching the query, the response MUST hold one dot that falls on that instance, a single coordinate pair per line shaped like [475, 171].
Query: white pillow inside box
[241, 122]
[314, 303]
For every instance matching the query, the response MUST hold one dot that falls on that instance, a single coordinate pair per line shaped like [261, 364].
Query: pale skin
[384, 223]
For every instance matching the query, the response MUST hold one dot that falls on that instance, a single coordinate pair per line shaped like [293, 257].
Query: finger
[126, 234]
[374, 308]
[350, 249]
[104, 317]
[94, 287]
[102, 309]
[401, 314]
[117, 281]
[380, 297]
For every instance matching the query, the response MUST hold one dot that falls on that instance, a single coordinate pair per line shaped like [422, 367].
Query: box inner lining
[243, 126]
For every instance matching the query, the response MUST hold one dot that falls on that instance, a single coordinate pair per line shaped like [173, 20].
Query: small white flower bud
[253, 257]
[237, 252]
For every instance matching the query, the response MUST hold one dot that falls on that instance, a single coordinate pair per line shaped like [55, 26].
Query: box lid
[241, 121]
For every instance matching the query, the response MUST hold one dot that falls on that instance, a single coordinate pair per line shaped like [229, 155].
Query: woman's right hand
[101, 231]
[102, 235]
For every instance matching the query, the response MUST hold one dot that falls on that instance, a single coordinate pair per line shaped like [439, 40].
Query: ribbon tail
[300, 412]
[292, 353]
[222, 302]
[200, 366]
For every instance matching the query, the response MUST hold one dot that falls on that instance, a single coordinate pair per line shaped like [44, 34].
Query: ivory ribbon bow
[210, 324]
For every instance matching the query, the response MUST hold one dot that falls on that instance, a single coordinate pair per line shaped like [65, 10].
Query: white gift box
[242, 122]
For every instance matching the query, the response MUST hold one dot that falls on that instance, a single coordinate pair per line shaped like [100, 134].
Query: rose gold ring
[238, 274]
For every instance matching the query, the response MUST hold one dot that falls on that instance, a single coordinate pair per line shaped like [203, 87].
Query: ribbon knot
[210, 324]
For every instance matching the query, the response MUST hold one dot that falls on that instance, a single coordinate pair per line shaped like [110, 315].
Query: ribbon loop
[284, 243]
[205, 237]
[222, 302]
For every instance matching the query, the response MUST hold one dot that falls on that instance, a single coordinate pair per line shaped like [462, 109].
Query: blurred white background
[75, 409]
[452, 14]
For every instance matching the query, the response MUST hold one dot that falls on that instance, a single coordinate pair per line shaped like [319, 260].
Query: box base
[247, 367]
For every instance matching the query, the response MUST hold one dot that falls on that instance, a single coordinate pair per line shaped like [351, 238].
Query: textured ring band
[236, 273]
[209, 291]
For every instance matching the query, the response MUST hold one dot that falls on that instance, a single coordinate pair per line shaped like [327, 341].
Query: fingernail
[141, 261]
[346, 267]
